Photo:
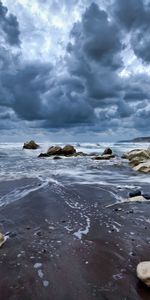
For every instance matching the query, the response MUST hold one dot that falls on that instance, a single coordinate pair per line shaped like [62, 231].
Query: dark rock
[54, 150]
[68, 150]
[103, 157]
[28, 227]
[57, 157]
[135, 193]
[124, 156]
[146, 196]
[31, 145]
[39, 233]
[80, 154]
[93, 154]
[43, 155]
[118, 209]
[107, 151]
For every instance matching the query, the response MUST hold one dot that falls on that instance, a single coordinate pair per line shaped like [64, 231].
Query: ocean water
[18, 164]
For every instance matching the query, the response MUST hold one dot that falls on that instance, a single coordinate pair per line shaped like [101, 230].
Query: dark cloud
[96, 37]
[9, 26]
[134, 16]
[82, 90]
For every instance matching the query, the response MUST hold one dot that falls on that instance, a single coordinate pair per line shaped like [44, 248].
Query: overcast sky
[74, 70]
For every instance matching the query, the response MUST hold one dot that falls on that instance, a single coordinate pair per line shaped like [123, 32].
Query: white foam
[37, 265]
[45, 283]
[85, 231]
[40, 273]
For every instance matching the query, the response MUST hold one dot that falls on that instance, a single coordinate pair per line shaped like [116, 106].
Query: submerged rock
[80, 154]
[31, 145]
[143, 272]
[43, 155]
[103, 157]
[57, 157]
[107, 151]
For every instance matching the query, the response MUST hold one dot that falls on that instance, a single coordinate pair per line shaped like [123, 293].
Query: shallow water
[16, 164]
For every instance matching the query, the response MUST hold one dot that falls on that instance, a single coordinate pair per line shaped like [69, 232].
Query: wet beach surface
[71, 235]
[66, 244]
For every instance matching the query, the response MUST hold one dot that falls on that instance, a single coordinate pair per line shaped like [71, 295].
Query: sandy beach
[65, 244]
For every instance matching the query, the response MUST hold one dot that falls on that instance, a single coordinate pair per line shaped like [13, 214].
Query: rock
[80, 154]
[139, 160]
[103, 157]
[68, 150]
[124, 156]
[143, 167]
[43, 155]
[137, 199]
[143, 272]
[146, 196]
[57, 151]
[54, 150]
[107, 151]
[2, 239]
[135, 193]
[31, 145]
[139, 154]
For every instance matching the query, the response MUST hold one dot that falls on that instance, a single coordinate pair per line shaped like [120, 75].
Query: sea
[17, 164]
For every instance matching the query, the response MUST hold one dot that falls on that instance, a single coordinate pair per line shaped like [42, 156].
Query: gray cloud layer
[84, 89]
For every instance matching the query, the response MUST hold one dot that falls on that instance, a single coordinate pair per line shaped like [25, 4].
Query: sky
[74, 70]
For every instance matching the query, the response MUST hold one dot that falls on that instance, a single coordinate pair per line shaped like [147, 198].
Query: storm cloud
[91, 74]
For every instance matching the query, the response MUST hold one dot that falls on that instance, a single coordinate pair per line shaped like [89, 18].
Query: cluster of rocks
[58, 151]
[139, 160]
[138, 196]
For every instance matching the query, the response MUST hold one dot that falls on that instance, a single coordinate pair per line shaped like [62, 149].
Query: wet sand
[66, 245]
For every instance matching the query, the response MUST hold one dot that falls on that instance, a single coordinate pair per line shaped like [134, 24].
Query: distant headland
[145, 139]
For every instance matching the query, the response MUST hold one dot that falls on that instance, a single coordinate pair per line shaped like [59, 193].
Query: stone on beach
[137, 199]
[143, 272]
[2, 239]
[135, 193]
[31, 145]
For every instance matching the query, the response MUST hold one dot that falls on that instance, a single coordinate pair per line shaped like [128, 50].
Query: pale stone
[137, 199]
[2, 239]
[143, 272]
[143, 167]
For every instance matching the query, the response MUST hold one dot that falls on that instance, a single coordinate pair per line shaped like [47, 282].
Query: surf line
[78, 234]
